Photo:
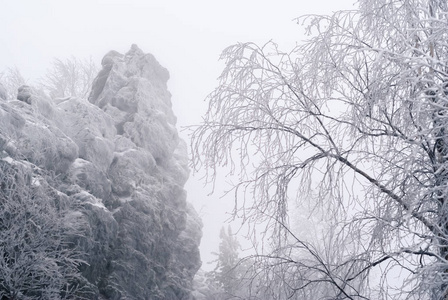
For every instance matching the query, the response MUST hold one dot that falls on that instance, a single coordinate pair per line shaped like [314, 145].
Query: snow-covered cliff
[118, 156]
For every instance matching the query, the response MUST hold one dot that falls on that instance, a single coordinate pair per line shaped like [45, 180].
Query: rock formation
[119, 156]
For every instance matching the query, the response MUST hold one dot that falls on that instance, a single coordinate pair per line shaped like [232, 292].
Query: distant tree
[71, 77]
[226, 271]
[233, 277]
[11, 79]
[37, 260]
[355, 121]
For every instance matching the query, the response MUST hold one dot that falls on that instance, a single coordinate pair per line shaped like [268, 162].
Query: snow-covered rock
[90, 128]
[118, 154]
[24, 94]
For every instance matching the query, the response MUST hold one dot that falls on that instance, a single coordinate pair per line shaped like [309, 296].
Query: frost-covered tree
[71, 77]
[226, 271]
[11, 79]
[354, 121]
[233, 277]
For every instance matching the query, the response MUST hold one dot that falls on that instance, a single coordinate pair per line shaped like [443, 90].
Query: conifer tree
[226, 271]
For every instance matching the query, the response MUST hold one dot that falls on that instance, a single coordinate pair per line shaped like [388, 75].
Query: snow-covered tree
[71, 77]
[226, 271]
[11, 79]
[233, 277]
[354, 120]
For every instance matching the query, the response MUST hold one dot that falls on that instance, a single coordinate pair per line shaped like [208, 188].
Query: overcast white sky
[186, 37]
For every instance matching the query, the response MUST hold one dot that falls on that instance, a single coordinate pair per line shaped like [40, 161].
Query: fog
[186, 37]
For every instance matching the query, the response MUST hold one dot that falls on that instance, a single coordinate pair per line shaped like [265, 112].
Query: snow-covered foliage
[37, 258]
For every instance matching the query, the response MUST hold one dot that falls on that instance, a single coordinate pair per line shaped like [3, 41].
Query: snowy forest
[335, 151]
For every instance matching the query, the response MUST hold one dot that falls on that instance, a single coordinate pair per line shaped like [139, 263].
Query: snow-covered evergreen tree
[226, 271]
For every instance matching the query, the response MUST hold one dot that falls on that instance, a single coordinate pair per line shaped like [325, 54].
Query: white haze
[186, 37]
